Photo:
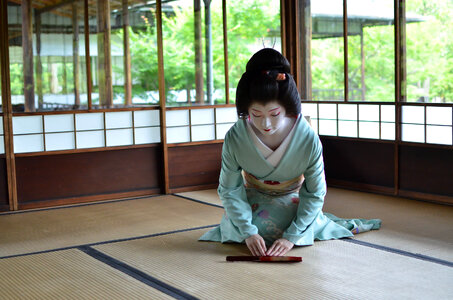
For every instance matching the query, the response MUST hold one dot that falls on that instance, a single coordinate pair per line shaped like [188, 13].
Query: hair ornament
[275, 74]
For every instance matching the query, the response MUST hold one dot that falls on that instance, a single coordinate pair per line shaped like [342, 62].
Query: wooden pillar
[225, 52]
[75, 54]
[290, 33]
[27, 48]
[7, 107]
[305, 33]
[39, 61]
[199, 85]
[127, 56]
[87, 53]
[362, 64]
[208, 44]
[345, 50]
[104, 56]
[162, 99]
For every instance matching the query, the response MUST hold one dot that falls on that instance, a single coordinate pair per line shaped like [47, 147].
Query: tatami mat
[66, 227]
[68, 274]
[408, 225]
[330, 270]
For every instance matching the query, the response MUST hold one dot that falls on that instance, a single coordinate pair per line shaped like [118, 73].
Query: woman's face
[268, 118]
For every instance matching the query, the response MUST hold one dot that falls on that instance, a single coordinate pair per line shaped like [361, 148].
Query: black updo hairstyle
[259, 83]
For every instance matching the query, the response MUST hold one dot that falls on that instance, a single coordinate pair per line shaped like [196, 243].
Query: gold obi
[273, 188]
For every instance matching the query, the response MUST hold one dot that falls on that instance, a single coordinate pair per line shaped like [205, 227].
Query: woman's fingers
[256, 245]
[280, 247]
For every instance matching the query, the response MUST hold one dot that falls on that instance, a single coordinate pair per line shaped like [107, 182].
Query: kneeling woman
[272, 182]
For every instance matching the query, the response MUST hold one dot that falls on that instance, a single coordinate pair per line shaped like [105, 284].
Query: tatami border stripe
[198, 201]
[136, 273]
[401, 252]
[366, 244]
[110, 241]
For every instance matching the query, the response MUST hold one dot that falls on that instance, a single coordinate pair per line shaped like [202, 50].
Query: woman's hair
[267, 79]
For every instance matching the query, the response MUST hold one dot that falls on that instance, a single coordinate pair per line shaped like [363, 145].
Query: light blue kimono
[297, 217]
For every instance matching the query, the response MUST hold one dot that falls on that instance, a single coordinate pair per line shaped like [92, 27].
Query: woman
[272, 182]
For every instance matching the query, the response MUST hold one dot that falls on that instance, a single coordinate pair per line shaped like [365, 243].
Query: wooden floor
[147, 248]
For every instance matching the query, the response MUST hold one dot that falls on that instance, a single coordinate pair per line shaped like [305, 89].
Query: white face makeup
[269, 118]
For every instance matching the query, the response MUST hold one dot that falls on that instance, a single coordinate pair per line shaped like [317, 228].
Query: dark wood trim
[195, 143]
[426, 197]
[54, 6]
[87, 54]
[162, 98]
[86, 199]
[200, 107]
[7, 108]
[82, 111]
[74, 151]
[225, 52]
[4, 208]
[345, 50]
[193, 188]
[360, 186]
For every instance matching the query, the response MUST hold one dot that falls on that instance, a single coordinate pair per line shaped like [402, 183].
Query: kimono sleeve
[232, 193]
[311, 196]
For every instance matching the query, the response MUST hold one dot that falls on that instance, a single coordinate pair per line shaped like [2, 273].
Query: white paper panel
[58, 123]
[413, 114]
[369, 112]
[143, 118]
[226, 115]
[222, 129]
[347, 112]
[90, 139]
[147, 135]
[413, 133]
[28, 143]
[27, 124]
[1, 123]
[388, 131]
[89, 121]
[388, 113]
[178, 135]
[203, 133]
[327, 111]
[119, 137]
[60, 141]
[369, 130]
[309, 109]
[327, 127]
[347, 128]
[177, 118]
[439, 135]
[121, 119]
[202, 116]
[438, 115]
[2, 145]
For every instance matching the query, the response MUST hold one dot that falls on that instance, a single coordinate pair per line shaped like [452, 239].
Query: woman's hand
[256, 245]
[280, 247]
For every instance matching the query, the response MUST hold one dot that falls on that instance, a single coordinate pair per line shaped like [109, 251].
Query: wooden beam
[55, 6]
[75, 54]
[27, 48]
[104, 56]
[7, 107]
[127, 56]
[162, 99]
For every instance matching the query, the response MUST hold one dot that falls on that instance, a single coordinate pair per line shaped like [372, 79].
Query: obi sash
[273, 188]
